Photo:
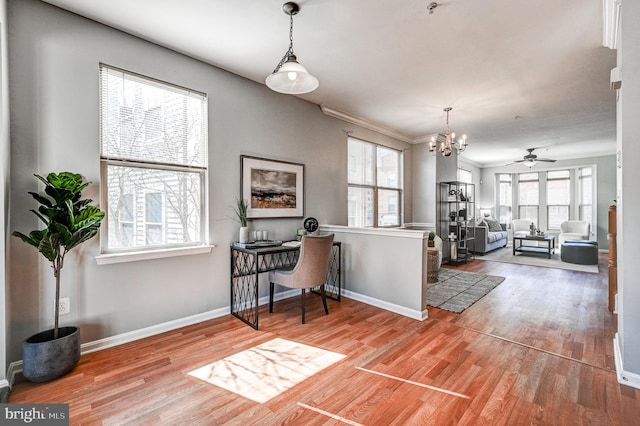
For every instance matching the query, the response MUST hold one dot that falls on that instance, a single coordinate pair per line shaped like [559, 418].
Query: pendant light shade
[290, 77]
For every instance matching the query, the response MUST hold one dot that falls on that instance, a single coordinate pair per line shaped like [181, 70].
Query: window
[465, 176]
[558, 197]
[585, 185]
[528, 197]
[505, 193]
[375, 184]
[153, 139]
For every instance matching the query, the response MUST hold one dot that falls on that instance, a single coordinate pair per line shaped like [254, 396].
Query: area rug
[456, 290]
[264, 371]
[506, 255]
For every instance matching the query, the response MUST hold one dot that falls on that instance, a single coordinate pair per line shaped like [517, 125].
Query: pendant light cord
[289, 52]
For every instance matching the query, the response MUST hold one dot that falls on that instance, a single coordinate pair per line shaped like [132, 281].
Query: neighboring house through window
[153, 163]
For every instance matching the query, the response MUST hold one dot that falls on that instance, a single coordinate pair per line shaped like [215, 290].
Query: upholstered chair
[310, 271]
[574, 230]
[519, 226]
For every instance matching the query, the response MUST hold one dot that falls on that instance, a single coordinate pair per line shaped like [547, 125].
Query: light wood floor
[536, 350]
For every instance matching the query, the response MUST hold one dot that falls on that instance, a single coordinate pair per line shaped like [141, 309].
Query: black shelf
[459, 198]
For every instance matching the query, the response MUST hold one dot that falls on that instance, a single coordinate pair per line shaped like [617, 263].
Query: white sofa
[574, 230]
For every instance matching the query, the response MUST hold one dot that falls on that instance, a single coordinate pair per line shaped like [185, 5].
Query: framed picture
[272, 188]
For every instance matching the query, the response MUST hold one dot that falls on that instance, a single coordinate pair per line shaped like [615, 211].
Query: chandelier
[447, 145]
[290, 76]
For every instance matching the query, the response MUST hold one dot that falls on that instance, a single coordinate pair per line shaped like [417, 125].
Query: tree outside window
[154, 162]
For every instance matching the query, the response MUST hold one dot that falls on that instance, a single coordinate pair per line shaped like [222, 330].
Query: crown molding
[367, 124]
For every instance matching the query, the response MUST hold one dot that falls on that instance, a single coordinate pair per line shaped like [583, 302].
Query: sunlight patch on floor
[264, 371]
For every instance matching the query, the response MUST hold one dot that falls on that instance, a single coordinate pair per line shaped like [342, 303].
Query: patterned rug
[456, 290]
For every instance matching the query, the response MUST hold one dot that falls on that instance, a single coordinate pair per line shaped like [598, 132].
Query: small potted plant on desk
[240, 210]
[69, 221]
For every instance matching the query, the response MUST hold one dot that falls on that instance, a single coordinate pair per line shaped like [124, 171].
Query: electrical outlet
[64, 306]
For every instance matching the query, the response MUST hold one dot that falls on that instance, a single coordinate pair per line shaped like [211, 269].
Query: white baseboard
[12, 372]
[624, 377]
[401, 310]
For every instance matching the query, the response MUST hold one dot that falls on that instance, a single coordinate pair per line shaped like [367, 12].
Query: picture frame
[273, 188]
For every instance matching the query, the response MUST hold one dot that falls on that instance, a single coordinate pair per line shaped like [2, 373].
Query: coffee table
[549, 239]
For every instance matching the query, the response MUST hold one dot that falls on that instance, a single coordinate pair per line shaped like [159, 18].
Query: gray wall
[605, 189]
[54, 57]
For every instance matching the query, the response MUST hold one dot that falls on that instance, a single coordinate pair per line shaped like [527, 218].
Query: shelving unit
[455, 215]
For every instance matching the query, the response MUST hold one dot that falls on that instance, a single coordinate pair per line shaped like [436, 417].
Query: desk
[246, 264]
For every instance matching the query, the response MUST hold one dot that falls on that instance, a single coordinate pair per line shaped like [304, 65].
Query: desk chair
[310, 271]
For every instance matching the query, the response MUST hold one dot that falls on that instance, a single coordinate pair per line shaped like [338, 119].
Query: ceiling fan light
[530, 163]
[292, 79]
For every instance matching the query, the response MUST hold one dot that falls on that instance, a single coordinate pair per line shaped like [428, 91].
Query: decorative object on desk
[273, 188]
[311, 225]
[240, 209]
[69, 221]
[455, 290]
[430, 241]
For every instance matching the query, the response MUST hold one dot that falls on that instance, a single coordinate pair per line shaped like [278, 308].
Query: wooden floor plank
[535, 350]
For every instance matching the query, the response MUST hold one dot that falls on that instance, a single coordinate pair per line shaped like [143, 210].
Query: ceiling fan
[531, 159]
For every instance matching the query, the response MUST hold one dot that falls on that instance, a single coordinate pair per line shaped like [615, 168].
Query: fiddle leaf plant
[69, 221]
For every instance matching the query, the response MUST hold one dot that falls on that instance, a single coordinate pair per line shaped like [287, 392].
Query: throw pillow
[494, 225]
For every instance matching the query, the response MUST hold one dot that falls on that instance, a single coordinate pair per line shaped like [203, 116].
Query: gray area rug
[456, 290]
[506, 255]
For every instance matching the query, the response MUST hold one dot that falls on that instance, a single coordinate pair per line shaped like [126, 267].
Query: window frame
[375, 187]
[536, 206]
[198, 173]
[551, 205]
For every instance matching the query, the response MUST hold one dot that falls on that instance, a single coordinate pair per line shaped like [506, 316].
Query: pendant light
[290, 77]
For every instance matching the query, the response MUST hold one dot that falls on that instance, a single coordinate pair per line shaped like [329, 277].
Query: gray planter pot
[46, 359]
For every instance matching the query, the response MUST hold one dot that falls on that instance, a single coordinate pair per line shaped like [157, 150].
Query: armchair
[574, 230]
[519, 226]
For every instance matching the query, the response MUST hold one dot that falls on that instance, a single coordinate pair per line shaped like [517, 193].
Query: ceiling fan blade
[548, 160]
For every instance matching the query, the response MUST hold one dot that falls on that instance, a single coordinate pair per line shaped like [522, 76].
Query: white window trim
[111, 258]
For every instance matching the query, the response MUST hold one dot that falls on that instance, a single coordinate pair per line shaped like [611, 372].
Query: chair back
[311, 269]
[521, 225]
[581, 227]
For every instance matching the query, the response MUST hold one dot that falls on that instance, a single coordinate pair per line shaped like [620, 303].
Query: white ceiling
[518, 74]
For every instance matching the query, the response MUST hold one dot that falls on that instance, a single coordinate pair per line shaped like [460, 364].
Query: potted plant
[69, 221]
[240, 209]
[430, 241]
[453, 215]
